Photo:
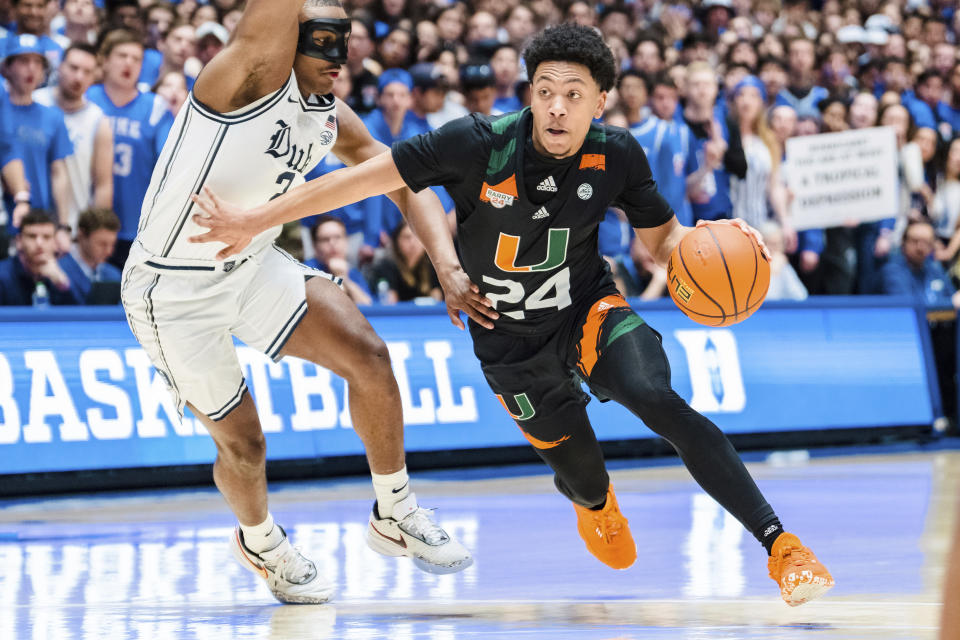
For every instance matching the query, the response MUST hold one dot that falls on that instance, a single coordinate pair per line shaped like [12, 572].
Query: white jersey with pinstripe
[247, 157]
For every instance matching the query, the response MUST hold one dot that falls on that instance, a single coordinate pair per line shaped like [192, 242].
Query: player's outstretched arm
[229, 224]
[257, 60]
[234, 227]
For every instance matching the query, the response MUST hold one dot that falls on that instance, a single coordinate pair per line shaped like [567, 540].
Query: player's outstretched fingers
[218, 204]
[208, 210]
[211, 235]
[201, 237]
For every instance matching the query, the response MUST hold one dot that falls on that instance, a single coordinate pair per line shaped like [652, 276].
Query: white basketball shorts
[185, 318]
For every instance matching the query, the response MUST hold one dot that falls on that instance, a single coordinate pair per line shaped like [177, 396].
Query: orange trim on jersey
[591, 330]
[596, 161]
[508, 187]
[540, 444]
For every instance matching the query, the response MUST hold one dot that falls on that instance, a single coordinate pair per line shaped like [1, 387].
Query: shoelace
[609, 524]
[293, 567]
[795, 555]
[788, 556]
[420, 523]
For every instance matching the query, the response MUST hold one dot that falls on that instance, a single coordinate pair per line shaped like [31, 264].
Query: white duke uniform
[183, 304]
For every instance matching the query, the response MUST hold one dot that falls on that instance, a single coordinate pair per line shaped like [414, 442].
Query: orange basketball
[717, 275]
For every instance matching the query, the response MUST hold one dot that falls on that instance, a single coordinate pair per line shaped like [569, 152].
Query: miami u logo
[523, 403]
[526, 412]
[508, 248]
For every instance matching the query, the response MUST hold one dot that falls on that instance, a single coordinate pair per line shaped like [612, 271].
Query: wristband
[21, 197]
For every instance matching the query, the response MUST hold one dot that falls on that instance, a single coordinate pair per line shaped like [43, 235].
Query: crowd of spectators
[712, 90]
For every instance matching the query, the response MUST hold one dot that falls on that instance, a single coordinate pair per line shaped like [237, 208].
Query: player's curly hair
[573, 43]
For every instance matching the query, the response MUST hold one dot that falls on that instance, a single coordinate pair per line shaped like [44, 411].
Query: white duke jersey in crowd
[247, 157]
[82, 128]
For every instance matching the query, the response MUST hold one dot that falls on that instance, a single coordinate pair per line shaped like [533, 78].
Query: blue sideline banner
[77, 392]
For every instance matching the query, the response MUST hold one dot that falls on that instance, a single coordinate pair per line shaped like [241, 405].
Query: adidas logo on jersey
[541, 213]
[603, 306]
[547, 185]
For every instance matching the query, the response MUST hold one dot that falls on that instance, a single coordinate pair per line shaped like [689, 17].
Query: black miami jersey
[527, 224]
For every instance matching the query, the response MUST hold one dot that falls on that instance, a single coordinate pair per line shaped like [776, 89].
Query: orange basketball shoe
[794, 567]
[607, 533]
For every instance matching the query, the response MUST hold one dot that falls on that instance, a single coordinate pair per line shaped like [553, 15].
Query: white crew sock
[390, 488]
[262, 537]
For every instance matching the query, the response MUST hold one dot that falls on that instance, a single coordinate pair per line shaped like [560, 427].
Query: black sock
[768, 533]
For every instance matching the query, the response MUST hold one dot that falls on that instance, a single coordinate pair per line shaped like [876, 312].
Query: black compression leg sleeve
[546, 400]
[634, 371]
[566, 442]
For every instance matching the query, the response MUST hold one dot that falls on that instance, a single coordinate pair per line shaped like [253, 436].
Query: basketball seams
[726, 268]
[735, 264]
[756, 269]
[762, 291]
[694, 281]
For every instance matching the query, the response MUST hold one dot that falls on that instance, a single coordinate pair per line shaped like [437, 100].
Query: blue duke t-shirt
[139, 130]
[41, 135]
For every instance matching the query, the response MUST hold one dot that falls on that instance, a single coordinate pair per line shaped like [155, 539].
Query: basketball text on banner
[77, 392]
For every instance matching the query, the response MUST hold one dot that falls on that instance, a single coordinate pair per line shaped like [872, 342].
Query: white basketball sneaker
[291, 577]
[412, 532]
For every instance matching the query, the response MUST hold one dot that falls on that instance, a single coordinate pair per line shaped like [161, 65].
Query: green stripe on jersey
[500, 157]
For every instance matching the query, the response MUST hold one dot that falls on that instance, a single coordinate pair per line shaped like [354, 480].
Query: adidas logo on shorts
[541, 213]
[547, 185]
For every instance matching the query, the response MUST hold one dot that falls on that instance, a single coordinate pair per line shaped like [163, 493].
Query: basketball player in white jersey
[260, 116]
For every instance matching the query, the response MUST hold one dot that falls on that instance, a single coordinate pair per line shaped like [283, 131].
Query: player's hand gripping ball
[718, 275]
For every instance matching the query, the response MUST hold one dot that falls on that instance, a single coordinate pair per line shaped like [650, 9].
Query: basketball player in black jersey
[530, 189]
